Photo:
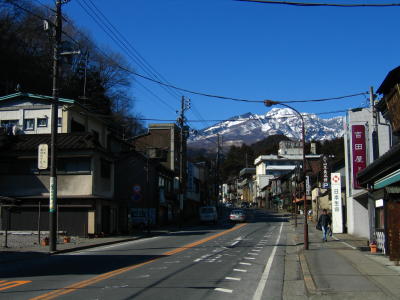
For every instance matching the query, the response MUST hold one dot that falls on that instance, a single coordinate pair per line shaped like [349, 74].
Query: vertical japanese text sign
[358, 146]
[325, 172]
[308, 186]
[337, 215]
[43, 155]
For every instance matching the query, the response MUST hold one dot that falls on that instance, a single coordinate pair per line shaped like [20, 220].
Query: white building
[357, 198]
[290, 155]
[31, 114]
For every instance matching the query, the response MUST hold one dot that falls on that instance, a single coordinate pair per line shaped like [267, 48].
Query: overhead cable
[201, 93]
[323, 4]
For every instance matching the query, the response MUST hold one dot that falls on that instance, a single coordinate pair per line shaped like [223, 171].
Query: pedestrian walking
[325, 223]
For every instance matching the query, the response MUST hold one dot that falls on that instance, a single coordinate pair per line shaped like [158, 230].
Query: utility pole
[185, 105]
[148, 193]
[217, 170]
[373, 155]
[54, 129]
[374, 127]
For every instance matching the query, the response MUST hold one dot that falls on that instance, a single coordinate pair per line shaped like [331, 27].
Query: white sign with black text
[43, 156]
[337, 211]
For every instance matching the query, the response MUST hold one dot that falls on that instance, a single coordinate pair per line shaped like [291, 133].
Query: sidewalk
[338, 269]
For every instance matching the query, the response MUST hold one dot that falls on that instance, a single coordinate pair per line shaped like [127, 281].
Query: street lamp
[271, 103]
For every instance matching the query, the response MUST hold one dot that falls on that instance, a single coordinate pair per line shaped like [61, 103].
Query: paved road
[242, 261]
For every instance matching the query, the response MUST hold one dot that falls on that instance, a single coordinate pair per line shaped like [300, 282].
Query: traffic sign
[137, 188]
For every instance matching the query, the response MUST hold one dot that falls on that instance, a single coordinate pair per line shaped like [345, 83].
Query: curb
[95, 245]
[308, 279]
[72, 249]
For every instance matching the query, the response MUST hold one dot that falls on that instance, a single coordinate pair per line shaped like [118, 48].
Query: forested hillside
[93, 77]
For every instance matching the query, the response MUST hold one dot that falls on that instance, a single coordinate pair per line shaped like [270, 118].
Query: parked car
[237, 215]
[229, 204]
[244, 205]
[208, 214]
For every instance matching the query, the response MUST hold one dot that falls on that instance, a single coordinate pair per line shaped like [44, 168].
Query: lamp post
[303, 177]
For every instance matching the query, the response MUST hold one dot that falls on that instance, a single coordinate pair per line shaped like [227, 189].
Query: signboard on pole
[325, 172]
[359, 151]
[337, 211]
[43, 156]
[308, 186]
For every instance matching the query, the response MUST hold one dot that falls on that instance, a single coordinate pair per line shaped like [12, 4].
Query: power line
[195, 92]
[156, 96]
[321, 4]
[323, 99]
[127, 45]
[245, 119]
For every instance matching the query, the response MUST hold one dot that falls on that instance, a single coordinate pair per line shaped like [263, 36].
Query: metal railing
[380, 240]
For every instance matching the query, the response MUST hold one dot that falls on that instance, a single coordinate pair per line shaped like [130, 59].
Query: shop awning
[387, 180]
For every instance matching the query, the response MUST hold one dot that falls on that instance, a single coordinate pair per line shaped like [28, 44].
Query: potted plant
[373, 246]
[45, 241]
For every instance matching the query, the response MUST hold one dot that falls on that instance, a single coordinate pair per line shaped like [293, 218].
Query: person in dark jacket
[325, 221]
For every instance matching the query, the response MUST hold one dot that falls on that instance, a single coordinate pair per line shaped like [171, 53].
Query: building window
[105, 168]
[8, 123]
[42, 122]
[74, 165]
[59, 122]
[29, 124]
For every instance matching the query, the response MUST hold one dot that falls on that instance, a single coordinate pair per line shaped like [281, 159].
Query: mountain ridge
[249, 128]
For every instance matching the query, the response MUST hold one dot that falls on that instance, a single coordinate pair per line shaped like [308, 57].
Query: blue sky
[250, 50]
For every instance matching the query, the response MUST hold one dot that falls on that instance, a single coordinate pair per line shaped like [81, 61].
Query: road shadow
[80, 264]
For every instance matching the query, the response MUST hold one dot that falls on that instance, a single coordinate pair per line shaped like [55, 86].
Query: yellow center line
[10, 284]
[73, 287]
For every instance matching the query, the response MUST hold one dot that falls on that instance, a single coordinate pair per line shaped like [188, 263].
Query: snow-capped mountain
[250, 128]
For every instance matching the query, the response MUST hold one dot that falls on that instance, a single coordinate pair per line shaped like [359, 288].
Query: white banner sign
[308, 186]
[337, 212]
[43, 155]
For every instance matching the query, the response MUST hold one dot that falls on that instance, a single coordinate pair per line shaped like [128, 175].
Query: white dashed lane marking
[249, 258]
[240, 270]
[234, 243]
[223, 290]
[233, 278]
[245, 263]
[172, 262]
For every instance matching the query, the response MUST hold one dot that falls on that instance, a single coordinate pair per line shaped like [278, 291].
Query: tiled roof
[36, 96]
[65, 141]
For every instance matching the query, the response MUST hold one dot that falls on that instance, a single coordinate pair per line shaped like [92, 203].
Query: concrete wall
[91, 125]
[103, 187]
[358, 224]
[34, 185]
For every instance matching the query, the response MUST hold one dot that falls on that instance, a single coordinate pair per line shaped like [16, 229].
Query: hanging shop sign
[359, 151]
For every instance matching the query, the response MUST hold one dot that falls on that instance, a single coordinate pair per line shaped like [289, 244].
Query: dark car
[244, 205]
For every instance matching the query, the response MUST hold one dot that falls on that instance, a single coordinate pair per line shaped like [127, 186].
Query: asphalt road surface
[224, 261]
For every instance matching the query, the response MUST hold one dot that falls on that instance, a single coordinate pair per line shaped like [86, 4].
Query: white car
[237, 215]
[208, 214]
